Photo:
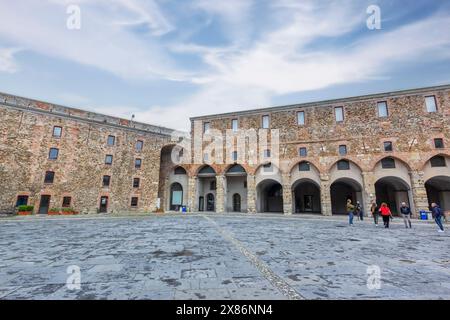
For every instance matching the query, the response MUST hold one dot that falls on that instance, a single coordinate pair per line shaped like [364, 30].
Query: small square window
[339, 114]
[439, 143]
[267, 153]
[57, 132]
[53, 153]
[234, 125]
[138, 163]
[388, 146]
[206, 127]
[106, 181]
[139, 145]
[382, 109]
[22, 201]
[343, 165]
[108, 159]
[388, 163]
[431, 104]
[343, 150]
[304, 166]
[303, 152]
[301, 118]
[265, 122]
[111, 140]
[49, 177]
[134, 202]
[136, 182]
[66, 202]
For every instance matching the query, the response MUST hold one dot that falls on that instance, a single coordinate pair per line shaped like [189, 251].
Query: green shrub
[68, 210]
[25, 208]
[54, 209]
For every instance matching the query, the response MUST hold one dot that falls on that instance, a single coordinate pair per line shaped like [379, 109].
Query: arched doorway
[176, 196]
[392, 191]
[306, 195]
[341, 190]
[236, 186]
[438, 191]
[269, 196]
[236, 202]
[210, 202]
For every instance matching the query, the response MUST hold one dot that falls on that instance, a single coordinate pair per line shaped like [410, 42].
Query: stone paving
[220, 257]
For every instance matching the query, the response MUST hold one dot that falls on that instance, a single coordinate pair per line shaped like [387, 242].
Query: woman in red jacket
[386, 214]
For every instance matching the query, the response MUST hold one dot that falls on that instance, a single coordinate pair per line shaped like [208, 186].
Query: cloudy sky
[167, 60]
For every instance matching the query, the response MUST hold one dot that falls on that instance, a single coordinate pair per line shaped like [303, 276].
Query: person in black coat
[406, 213]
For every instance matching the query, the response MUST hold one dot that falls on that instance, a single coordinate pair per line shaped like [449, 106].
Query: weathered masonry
[54, 156]
[391, 147]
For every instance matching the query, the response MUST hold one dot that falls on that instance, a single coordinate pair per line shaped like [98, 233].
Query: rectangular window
[22, 201]
[265, 122]
[439, 143]
[388, 146]
[139, 145]
[267, 153]
[234, 156]
[339, 114]
[301, 118]
[106, 181]
[111, 140]
[388, 163]
[303, 152]
[206, 128]
[108, 159]
[304, 166]
[234, 125]
[53, 153]
[57, 131]
[136, 182]
[138, 163]
[66, 202]
[205, 157]
[49, 177]
[343, 150]
[431, 104]
[134, 202]
[382, 109]
[343, 165]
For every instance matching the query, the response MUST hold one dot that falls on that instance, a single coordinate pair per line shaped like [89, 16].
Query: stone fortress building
[390, 147]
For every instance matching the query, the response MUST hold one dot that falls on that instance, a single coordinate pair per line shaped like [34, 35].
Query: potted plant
[25, 210]
[54, 212]
[68, 211]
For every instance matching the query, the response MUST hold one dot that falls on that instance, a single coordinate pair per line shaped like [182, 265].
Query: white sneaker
[441, 231]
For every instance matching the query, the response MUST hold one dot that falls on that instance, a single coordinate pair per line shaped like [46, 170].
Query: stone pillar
[325, 195]
[287, 193]
[251, 194]
[220, 193]
[369, 192]
[192, 194]
[419, 199]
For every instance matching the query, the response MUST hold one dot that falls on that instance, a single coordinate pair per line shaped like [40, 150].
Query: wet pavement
[220, 257]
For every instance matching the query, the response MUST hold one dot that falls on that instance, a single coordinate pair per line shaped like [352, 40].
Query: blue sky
[167, 60]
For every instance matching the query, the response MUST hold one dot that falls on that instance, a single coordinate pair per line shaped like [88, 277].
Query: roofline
[324, 102]
[10, 100]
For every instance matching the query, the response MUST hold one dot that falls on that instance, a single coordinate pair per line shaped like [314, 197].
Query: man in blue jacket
[437, 214]
[406, 213]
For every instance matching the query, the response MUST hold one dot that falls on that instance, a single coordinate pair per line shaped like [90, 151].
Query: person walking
[375, 212]
[350, 210]
[359, 211]
[437, 214]
[406, 213]
[386, 214]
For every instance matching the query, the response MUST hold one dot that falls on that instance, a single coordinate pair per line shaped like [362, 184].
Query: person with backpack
[386, 214]
[437, 214]
[375, 212]
[406, 213]
[350, 210]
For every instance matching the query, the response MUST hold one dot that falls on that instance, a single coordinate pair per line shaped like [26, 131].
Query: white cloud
[8, 62]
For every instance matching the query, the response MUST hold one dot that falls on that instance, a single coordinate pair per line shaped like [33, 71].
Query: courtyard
[225, 256]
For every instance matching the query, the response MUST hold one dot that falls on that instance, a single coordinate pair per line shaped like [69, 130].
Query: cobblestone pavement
[221, 257]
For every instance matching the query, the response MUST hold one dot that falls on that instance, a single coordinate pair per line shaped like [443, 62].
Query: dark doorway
[210, 202]
[44, 205]
[306, 197]
[270, 196]
[176, 197]
[438, 191]
[103, 205]
[237, 202]
[342, 190]
[201, 204]
[392, 191]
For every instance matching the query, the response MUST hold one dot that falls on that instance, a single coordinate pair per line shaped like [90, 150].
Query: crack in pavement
[262, 267]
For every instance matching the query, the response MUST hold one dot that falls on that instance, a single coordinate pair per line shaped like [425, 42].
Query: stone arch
[313, 173]
[235, 184]
[176, 196]
[438, 191]
[206, 187]
[306, 196]
[401, 170]
[264, 172]
[354, 172]
[269, 196]
[397, 158]
[351, 161]
[342, 189]
[393, 190]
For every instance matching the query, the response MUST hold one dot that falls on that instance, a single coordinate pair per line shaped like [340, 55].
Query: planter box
[54, 213]
[25, 213]
[67, 213]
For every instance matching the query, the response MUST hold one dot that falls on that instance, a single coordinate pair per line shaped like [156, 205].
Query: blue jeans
[350, 217]
[439, 222]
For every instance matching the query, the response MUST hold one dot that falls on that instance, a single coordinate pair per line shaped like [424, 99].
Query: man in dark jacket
[437, 214]
[406, 213]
